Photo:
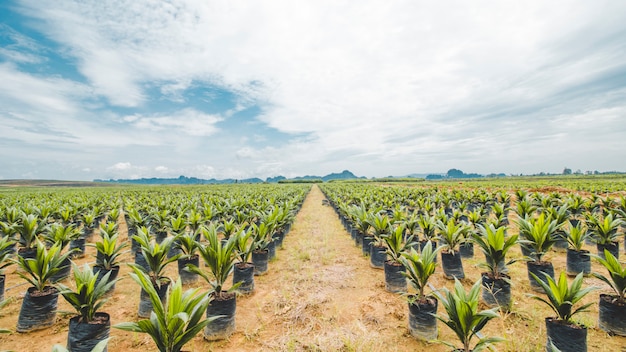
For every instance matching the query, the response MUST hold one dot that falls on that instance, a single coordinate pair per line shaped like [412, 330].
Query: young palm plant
[262, 238]
[228, 228]
[418, 270]
[361, 225]
[395, 281]
[88, 219]
[578, 259]
[452, 235]
[562, 331]
[108, 252]
[30, 228]
[612, 310]
[156, 259]
[604, 230]
[381, 227]
[496, 281]
[561, 215]
[174, 324]
[243, 273]
[188, 255]
[63, 235]
[90, 326]
[39, 305]
[464, 318]
[220, 258]
[537, 237]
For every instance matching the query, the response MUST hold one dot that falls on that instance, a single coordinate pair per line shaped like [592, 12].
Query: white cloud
[246, 153]
[122, 166]
[376, 86]
[188, 121]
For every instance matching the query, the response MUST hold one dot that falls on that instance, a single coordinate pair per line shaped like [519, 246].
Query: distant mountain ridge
[183, 180]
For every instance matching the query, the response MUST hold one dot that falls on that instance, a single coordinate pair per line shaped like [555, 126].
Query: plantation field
[320, 293]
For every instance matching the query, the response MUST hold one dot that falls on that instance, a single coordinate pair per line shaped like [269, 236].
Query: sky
[93, 89]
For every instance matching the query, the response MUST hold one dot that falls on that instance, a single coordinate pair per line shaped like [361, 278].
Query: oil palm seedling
[67, 215]
[525, 208]
[227, 228]
[243, 273]
[463, 317]
[156, 260]
[114, 214]
[362, 226]
[381, 227]
[159, 221]
[396, 244]
[419, 267]
[30, 228]
[536, 238]
[284, 218]
[177, 226]
[90, 326]
[451, 235]
[428, 228]
[563, 332]
[88, 218]
[559, 214]
[8, 229]
[262, 239]
[576, 206]
[604, 230]
[612, 311]
[496, 282]
[63, 235]
[39, 305]
[220, 258]
[194, 221]
[188, 255]
[578, 259]
[500, 213]
[411, 225]
[174, 324]
[136, 220]
[108, 253]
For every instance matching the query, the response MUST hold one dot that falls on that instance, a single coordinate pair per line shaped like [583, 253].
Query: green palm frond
[89, 294]
[420, 266]
[463, 317]
[617, 274]
[173, 325]
[560, 297]
[39, 271]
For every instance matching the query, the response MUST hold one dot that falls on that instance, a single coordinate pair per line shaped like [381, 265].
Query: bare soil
[320, 294]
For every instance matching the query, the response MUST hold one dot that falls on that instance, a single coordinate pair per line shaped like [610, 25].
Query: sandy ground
[320, 294]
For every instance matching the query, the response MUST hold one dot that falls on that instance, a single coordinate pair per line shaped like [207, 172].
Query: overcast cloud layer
[150, 88]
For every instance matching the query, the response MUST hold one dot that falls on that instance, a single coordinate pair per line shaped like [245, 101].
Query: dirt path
[320, 294]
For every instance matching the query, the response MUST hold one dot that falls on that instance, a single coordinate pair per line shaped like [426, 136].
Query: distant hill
[344, 175]
[275, 179]
[183, 180]
[417, 175]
